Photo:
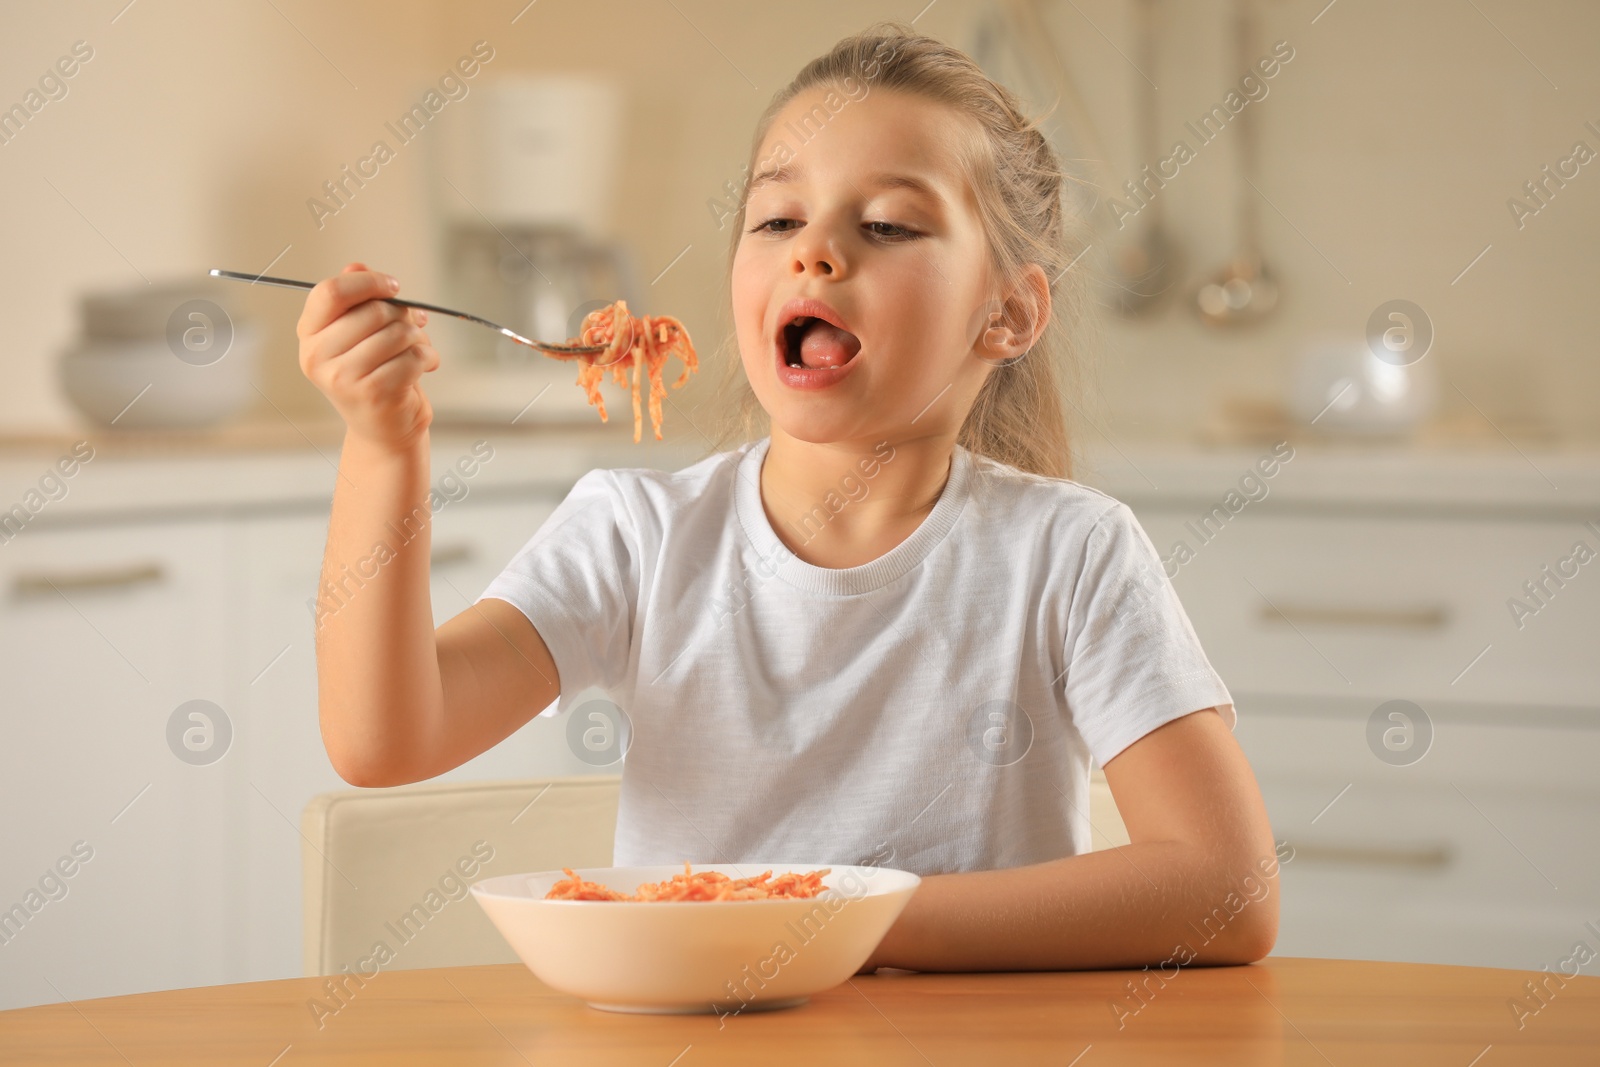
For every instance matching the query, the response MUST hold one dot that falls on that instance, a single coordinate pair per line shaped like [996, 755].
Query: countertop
[280, 464]
[257, 467]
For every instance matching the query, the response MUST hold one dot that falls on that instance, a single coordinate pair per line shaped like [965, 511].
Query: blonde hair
[1017, 417]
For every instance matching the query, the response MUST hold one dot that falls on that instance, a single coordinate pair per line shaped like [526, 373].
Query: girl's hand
[368, 356]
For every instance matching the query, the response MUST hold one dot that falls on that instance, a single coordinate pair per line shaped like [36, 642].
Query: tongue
[825, 345]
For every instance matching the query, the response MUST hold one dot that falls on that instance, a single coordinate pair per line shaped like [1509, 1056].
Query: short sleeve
[1133, 659]
[577, 581]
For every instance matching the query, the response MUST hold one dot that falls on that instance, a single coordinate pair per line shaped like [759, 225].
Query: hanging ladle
[1244, 290]
[1146, 268]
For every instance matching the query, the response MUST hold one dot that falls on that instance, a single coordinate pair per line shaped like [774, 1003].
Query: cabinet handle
[43, 583]
[1433, 618]
[1421, 857]
[449, 555]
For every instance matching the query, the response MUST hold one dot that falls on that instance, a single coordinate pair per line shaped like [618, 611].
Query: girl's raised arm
[398, 703]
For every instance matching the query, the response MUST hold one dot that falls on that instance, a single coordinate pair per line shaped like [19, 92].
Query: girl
[888, 631]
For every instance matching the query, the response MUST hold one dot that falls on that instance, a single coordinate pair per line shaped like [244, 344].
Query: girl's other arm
[1197, 885]
[398, 703]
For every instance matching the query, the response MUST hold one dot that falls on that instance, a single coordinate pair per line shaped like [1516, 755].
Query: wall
[1390, 146]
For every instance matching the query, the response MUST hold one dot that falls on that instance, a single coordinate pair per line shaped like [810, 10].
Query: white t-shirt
[933, 710]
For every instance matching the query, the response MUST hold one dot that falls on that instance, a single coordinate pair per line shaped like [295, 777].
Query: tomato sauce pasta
[706, 885]
[631, 340]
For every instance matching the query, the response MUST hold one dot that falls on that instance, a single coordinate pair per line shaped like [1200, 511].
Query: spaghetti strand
[706, 885]
[631, 341]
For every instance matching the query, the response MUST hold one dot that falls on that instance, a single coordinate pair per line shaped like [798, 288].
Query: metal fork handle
[543, 346]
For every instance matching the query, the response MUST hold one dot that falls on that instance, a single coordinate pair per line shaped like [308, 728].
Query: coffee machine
[522, 178]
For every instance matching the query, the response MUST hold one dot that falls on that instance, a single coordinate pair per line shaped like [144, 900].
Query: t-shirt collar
[845, 581]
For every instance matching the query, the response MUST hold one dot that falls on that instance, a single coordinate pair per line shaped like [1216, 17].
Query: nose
[816, 252]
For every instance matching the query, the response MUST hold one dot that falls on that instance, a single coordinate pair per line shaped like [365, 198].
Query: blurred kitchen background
[1405, 607]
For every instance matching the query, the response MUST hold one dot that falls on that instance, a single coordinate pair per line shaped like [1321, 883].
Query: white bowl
[142, 313]
[696, 956]
[103, 377]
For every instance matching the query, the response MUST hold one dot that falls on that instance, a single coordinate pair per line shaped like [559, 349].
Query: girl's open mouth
[812, 348]
[816, 344]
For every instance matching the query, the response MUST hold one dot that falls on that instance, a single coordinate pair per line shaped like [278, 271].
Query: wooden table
[1280, 1011]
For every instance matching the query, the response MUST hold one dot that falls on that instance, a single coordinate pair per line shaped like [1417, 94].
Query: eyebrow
[785, 174]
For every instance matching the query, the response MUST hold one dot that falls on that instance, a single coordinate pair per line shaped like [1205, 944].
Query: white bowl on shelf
[102, 378]
[696, 956]
[144, 312]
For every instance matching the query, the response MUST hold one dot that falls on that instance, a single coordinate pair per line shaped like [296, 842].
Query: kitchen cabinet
[1479, 852]
[104, 638]
[174, 581]
[1476, 852]
[1392, 606]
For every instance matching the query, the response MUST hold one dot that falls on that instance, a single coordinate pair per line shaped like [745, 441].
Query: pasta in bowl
[724, 938]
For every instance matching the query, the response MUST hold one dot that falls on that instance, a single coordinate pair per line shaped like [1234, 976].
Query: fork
[558, 351]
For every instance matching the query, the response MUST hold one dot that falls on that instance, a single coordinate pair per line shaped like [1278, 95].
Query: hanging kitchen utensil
[1244, 290]
[1144, 269]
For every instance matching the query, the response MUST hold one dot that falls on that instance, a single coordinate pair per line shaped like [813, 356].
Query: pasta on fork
[631, 340]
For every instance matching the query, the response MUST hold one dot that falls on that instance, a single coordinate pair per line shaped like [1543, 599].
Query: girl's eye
[894, 233]
[768, 225]
[897, 232]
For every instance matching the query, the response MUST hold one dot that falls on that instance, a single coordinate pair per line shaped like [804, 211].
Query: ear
[1028, 305]
[1024, 314]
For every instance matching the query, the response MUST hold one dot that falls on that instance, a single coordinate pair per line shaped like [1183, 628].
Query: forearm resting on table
[1123, 907]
